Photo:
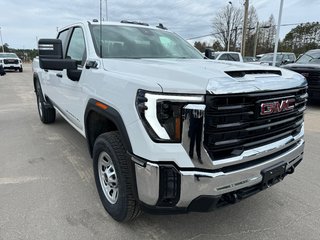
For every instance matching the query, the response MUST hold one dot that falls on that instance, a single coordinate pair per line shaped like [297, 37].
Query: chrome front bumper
[220, 181]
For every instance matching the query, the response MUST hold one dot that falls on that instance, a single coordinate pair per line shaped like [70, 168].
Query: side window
[77, 48]
[285, 57]
[63, 37]
[234, 57]
[224, 57]
[291, 57]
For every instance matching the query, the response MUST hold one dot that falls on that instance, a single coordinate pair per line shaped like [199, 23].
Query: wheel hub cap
[108, 177]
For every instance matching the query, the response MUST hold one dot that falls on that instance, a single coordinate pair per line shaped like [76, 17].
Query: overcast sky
[22, 21]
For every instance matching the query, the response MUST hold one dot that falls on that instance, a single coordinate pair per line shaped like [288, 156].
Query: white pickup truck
[168, 130]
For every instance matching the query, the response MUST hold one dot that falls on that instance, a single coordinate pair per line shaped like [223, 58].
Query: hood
[302, 66]
[201, 76]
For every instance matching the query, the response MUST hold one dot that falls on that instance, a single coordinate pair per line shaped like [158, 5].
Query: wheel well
[96, 124]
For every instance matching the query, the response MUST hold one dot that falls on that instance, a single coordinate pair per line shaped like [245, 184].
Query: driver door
[72, 95]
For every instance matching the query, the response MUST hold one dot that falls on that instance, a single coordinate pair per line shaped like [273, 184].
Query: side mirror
[51, 56]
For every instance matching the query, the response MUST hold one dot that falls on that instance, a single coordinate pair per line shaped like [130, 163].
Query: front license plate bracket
[273, 175]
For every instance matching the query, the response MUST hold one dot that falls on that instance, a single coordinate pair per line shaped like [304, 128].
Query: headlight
[161, 114]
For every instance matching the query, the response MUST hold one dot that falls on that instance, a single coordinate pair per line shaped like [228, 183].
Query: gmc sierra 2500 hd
[168, 130]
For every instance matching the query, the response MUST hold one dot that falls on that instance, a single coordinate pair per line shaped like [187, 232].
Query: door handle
[59, 75]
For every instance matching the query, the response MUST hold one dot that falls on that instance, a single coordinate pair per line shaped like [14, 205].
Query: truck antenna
[100, 28]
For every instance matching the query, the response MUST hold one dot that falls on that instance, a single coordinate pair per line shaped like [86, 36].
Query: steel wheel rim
[108, 177]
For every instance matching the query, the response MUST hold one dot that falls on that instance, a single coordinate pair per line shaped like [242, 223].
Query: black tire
[46, 111]
[125, 207]
[21, 69]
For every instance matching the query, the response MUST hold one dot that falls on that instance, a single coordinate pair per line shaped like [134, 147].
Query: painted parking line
[20, 180]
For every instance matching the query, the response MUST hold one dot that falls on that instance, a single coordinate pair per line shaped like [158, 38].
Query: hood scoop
[243, 73]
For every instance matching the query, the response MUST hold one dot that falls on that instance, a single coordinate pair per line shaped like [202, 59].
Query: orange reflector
[101, 105]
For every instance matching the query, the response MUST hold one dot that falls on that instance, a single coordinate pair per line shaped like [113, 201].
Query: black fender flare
[35, 78]
[110, 114]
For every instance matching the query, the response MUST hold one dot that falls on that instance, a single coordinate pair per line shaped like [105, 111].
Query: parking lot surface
[47, 189]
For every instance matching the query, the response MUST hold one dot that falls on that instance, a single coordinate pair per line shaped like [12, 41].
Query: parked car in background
[249, 59]
[11, 61]
[281, 59]
[309, 66]
[227, 56]
[259, 56]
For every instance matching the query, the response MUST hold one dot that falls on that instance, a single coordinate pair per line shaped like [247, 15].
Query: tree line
[260, 35]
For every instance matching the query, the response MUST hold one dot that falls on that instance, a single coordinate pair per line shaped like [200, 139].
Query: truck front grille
[313, 78]
[233, 122]
[11, 61]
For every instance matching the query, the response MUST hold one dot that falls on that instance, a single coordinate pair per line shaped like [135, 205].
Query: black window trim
[85, 44]
[66, 41]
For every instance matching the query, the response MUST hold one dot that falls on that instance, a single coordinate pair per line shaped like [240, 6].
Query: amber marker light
[101, 105]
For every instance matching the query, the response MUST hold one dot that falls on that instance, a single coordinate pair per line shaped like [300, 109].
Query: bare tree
[266, 36]
[227, 21]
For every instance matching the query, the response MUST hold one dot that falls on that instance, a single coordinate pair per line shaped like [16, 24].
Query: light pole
[277, 36]
[229, 23]
[107, 18]
[1, 41]
[244, 32]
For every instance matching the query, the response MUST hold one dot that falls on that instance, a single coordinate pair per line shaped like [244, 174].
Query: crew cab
[11, 61]
[169, 131]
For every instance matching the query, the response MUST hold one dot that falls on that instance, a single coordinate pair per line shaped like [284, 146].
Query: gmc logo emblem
[268, 108]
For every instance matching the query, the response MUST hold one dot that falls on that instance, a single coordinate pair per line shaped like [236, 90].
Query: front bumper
[12, 66]
[196, 187]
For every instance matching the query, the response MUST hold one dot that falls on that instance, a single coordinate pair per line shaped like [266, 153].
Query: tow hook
[290, 170]
[231, 198]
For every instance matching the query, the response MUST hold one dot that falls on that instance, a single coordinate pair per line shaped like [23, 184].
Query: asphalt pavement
[47, 189]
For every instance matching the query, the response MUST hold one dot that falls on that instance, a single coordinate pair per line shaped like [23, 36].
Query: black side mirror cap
[51, 56]
[50, 48]
[57, 64]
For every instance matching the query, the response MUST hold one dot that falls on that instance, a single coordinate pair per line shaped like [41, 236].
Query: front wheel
[21, 69]
[114, 177]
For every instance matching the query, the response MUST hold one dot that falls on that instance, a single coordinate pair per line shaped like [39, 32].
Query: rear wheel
[114, 177]
[46, 111]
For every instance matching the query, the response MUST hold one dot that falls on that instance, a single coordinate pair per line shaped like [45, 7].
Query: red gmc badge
[268, 108]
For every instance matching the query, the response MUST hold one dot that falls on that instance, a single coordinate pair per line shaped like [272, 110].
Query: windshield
[310, 57]
[215, 55]
[140, 42]
[8, 55]
[269, 57]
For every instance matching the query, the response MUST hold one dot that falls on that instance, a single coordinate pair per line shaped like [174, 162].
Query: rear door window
[224, 57]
